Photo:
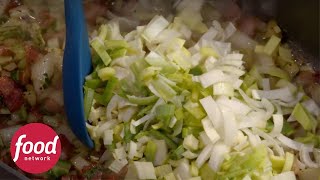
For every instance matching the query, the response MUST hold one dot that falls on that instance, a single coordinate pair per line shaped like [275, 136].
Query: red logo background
[35, 132]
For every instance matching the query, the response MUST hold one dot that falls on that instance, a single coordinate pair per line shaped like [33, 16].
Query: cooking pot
[300, 21]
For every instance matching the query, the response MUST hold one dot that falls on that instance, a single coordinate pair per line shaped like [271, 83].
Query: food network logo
[35, 148]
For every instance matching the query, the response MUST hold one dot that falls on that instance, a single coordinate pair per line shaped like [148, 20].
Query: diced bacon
[6, 86]
[4, 51]
[67, 146]
[305, 78]
[52, 106]
[317, 77]
[95, 9]
[248, 25]
[24, 76]
[32, 54]
[45, 19]
[36, 114]
[230, 10]
[11, 93]
[12, 4]
[15, 100]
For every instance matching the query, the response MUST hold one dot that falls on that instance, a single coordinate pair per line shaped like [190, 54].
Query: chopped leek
[145, 170]
[177, 102]
[303, 117]
[271, 45]
[150, 151]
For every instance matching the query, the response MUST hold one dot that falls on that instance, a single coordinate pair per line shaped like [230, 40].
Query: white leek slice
[195, 178]
[217, 156]
[271, 45]
[210, 130]
[223, 88]
[253, 139]
[145, 170]
[162, 171]
[229, 30]
[289, 175]
[143, 119]
[108, 137]
[155, 26]
[230, 127]
[270, 140]
[191, 143]
[161, 153]
[212, 77]
[132, 149]
[312, 107]
[283, 94]
[117, 165]
[278, 124]
[204, 138]
[288, 162]
[120, 153]
[106, 126]
[306, 159]
[189, 155]
[170, 176]
[293, 144]
[266, 84]
[204, 155]
[236, 105]
[213, 111]
[183, 169]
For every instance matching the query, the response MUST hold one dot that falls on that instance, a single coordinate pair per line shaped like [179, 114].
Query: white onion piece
[237, 106]
[213, 111]
[112, 105]
[204, 138]
[278, 124]
[204, 155]
[257, 105]
[230, 127]
[3, 5]
[299, 164]
[269, 109]
[305, 157]
[291, 103]
[293, 144]
[183, 170]
[316, 153]
[105, 126]
[283, 94]
[6, 134]
[266, 84]
[312, 107]
[210, 130]
[189, 155]
[219, 150]
[44, 68]
[278, 107]
[254, 140]
[270, 140]
[210, 34]
[289, 175]
[242, 41]
[161, 153]
[126, 23]
[253, 119]
[229, 30]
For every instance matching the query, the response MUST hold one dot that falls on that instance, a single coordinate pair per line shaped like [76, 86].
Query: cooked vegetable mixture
[180, 89]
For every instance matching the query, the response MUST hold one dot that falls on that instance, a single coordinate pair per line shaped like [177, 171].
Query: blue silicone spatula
[76, 65]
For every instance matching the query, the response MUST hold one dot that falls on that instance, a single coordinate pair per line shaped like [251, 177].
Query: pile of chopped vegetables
[180, 90]
[172, 99]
